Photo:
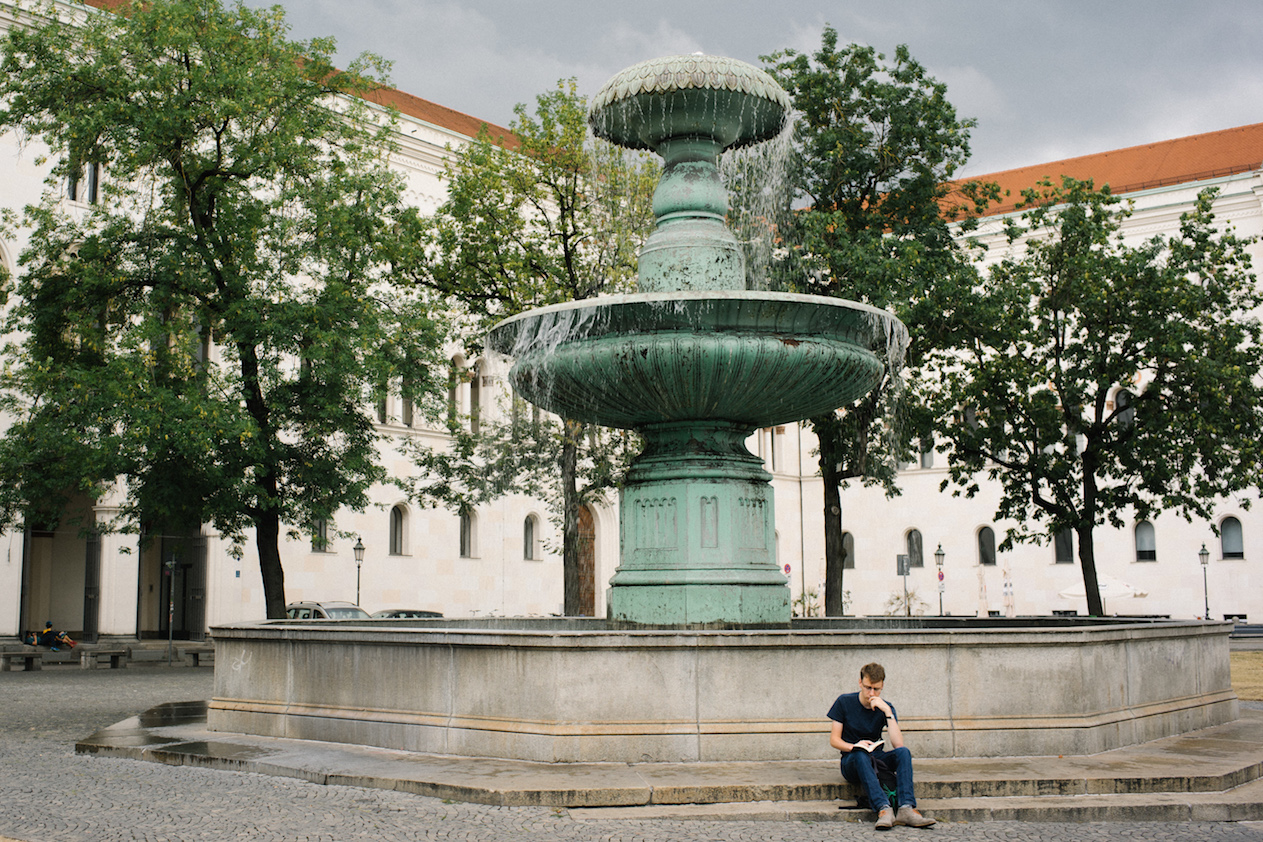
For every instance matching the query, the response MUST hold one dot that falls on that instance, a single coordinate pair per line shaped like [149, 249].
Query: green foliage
[1030, 396]
[553, 218]
[874, 148]
[519, 456]
[212, 330]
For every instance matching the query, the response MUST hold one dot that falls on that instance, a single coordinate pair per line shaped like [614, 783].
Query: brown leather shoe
[909, 817]
[885, 819]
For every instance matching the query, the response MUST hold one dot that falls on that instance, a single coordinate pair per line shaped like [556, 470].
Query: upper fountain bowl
[730, 101]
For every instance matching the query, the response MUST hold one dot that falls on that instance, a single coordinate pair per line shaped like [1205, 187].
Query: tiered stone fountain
[695, 361]
[700, 660]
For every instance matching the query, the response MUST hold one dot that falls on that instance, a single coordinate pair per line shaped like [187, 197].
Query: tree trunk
[1083, 531]
[828, 432]
[1087, 560]
[267, 517]
[572, 598]
[267, 534]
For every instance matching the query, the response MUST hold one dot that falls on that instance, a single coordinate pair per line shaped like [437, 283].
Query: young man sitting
[858, 720]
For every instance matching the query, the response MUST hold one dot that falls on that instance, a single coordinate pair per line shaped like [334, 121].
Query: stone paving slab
[1215, 774]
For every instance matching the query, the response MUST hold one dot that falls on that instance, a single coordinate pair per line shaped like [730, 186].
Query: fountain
[695, 361]
[699, 660]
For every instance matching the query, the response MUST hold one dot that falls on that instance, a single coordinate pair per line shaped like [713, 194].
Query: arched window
[398, 517]
[1231, 541]
[529, 535]
[848, 551]
[1146, 543]
[468, 535]
[986, 546]
[915, 558]
[1063, 546]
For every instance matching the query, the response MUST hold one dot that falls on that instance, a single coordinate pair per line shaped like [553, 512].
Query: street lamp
[1203, 555]
[938, 562]
[358, 549]
[170, 564]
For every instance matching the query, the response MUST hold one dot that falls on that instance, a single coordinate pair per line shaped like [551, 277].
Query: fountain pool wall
[571, 690]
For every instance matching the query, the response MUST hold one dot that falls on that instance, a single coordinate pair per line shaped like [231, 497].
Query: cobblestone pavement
[48, 793]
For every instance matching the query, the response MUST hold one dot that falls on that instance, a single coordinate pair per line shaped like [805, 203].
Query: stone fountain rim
[699, 297]
[802, 634]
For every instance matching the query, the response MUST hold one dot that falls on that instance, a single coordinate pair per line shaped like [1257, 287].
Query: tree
[210, 332]
[874, 148]
[545, 217]
[1096, 378]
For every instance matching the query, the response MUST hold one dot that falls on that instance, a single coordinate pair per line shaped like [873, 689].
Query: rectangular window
[1063, 546]
[320, 537]
[82, 185]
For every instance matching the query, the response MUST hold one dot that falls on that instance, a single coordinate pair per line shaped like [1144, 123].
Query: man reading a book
[858, 720]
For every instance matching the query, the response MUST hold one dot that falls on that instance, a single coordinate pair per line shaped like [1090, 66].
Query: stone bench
[90, 659]
[196, 656]
[31, 660]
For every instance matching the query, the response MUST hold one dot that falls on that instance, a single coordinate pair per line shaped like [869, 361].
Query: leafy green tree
[875, 147]
[547, 217]
[1096, 379]
[211, 331]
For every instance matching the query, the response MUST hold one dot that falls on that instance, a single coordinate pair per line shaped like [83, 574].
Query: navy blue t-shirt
[858, 722]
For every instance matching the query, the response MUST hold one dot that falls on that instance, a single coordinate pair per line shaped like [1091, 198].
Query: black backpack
[885, 777]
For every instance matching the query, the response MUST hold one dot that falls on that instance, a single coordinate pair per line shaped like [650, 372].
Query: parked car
[406, 614]
[325, 611]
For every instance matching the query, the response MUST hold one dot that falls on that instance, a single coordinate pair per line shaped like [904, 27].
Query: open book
[871, 746]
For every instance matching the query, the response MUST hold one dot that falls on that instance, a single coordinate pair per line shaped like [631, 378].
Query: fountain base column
[698, 540]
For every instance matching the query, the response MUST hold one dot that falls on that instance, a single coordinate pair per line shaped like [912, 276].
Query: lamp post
[358, 549]
[939, 555]
[1203, 555]
[169, 564]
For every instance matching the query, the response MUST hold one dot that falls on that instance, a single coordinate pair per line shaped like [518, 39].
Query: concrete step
[1215, 774]
[1240, 804]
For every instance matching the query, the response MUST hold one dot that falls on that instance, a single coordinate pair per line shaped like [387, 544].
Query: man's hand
[882, 705]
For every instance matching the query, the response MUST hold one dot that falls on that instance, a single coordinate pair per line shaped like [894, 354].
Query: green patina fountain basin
[754, 358]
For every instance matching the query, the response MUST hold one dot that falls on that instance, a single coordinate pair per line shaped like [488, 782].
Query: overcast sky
[1045, 79]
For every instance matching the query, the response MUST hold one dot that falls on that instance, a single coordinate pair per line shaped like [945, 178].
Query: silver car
[325, 611]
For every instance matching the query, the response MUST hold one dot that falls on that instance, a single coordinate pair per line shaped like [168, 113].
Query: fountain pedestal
[697, 533]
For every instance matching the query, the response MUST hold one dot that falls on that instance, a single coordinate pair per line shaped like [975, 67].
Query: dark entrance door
[183, 593]
[92, 589]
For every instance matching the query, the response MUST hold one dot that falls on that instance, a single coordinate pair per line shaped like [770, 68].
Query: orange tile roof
[412, 106]
[1185, 159]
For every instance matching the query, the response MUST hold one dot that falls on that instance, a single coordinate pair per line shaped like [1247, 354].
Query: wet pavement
[52, 793]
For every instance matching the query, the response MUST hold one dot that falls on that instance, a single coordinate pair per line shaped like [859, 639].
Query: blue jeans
[858, 769]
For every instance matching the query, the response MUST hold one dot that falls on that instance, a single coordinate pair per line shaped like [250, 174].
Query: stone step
[1243, 803]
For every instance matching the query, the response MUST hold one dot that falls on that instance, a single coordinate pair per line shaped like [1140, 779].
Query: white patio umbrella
[1109, 587]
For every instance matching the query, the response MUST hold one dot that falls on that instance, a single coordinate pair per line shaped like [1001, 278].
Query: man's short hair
[875, 673]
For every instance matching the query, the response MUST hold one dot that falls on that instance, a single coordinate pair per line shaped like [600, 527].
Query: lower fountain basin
[569, 690]
[752, 358]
